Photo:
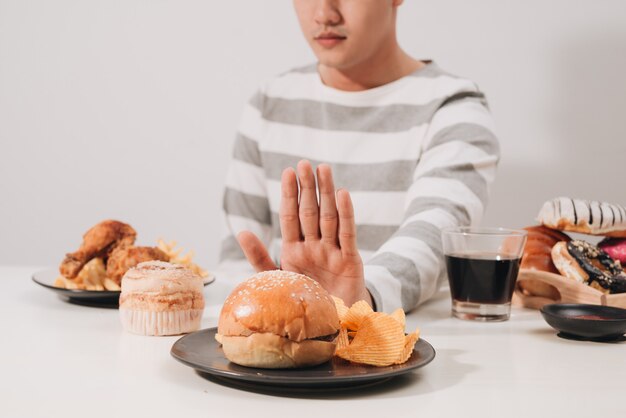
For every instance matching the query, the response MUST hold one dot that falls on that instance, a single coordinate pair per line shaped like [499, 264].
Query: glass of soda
[482, 266]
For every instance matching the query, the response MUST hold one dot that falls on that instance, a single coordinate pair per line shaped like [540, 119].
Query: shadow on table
[443, 372]
[550, 333]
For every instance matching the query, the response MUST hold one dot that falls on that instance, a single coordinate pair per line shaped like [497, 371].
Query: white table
[64, 360]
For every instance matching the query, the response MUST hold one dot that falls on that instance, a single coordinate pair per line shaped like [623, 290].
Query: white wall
[127, 108]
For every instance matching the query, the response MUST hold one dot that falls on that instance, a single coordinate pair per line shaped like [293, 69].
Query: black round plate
[201, 351]
[96, 298]
[563, 317]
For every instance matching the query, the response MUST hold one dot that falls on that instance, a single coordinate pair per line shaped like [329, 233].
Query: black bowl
[594, 322]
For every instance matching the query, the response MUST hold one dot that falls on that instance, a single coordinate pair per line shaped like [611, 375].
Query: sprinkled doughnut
[586, 263]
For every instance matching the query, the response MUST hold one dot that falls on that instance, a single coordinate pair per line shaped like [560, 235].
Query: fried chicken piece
[99, 241]
[124, 258]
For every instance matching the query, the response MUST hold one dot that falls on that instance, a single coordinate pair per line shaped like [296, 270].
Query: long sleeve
[245, 200]
[450, 186]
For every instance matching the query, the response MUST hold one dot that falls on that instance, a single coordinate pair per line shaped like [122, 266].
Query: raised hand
[319, 239]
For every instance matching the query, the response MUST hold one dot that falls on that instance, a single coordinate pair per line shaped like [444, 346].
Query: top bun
[282, 303]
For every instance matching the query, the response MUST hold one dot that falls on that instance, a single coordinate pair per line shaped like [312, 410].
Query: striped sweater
[417, 155]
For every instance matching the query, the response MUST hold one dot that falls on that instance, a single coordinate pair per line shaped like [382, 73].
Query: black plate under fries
[96, 298]
[563, 318]
[201, 351]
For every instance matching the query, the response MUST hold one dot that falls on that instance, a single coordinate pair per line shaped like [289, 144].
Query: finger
[347, 227]
[288, 212]
[309, 211]
[328, 204]
[255, 251]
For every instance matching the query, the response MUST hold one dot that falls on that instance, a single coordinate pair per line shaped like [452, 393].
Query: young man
[411, 147]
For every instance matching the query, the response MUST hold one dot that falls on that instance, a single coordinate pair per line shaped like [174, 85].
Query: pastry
[587, 217]
[586, 263]
[538, 249]
[616, 248]
[160, 298]
[538, 256]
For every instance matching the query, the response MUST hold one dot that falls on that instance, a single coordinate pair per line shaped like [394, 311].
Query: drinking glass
[482, 266]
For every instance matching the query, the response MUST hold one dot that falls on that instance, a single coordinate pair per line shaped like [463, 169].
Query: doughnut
[616, 248]
[584, 216]
[586, 263]
[538, 249]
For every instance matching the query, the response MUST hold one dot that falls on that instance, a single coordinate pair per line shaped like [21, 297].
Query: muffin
[160, 298]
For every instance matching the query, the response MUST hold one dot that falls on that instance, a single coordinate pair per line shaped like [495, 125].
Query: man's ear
[396, 3]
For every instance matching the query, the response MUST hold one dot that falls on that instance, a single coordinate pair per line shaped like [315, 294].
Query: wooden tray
[554, 288]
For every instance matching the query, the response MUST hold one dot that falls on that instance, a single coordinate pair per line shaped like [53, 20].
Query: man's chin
[335, 62]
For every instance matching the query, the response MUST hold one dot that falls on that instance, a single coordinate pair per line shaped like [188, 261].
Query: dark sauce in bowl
[592, 317]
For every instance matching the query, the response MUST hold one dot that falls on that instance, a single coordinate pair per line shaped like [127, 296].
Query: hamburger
[278, 319]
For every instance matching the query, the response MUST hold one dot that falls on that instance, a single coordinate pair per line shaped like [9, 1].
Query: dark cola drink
[482, 277]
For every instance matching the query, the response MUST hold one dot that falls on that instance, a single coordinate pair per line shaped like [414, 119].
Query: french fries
[176, 257]
[91, 277]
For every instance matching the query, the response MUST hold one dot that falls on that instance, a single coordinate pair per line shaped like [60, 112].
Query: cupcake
[160, 298]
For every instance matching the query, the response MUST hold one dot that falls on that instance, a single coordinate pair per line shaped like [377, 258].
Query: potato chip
[373, 338]
[342, 309]
[379, 341]
[399, 316]
[356, 314]
[218, 338]
[409, 345]
[342, 338]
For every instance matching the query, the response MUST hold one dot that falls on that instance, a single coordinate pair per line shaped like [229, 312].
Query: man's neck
[379, 70]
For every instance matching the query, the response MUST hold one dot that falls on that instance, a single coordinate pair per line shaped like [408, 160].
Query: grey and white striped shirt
[417, 155]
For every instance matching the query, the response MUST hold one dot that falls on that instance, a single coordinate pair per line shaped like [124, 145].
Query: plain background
[127, 109]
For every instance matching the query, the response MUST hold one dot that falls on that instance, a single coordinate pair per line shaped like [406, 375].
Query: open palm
[318, 237]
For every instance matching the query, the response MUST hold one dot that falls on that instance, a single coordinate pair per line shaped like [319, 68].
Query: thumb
[255, 251]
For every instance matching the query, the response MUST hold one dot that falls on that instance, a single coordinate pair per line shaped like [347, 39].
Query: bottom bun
[270, 351]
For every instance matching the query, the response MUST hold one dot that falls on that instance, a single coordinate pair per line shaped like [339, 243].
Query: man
[412, 146]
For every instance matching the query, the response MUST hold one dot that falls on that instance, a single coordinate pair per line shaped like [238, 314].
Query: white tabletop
[64, 360]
